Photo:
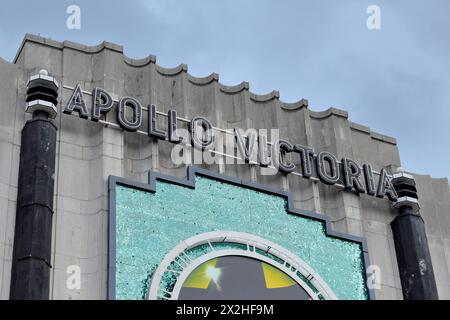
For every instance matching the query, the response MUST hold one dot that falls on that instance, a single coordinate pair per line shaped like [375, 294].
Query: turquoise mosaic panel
[149, 225]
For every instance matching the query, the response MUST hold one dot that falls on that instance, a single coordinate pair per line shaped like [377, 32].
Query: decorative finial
[405, 186]
[42, 95]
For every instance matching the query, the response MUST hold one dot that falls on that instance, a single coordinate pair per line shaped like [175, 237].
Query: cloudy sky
[395, 80]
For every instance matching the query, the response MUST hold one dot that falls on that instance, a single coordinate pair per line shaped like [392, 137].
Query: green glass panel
[149, 225]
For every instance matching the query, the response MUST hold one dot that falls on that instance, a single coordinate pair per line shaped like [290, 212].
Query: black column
[411, 244]
[33, 231]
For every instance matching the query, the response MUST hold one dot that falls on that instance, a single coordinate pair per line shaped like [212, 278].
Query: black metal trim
[189, 182]
[35, 258]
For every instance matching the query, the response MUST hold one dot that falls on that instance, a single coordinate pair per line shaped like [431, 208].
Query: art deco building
[121, 179]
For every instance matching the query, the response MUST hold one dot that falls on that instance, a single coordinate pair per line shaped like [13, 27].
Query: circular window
[234, 266]
[239, 277]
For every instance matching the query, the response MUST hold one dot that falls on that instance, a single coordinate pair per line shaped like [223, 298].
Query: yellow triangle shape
[276, 278]
[199, 279]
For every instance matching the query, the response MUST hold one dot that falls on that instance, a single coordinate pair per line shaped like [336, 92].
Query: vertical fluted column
[33, 231]
[411, 244]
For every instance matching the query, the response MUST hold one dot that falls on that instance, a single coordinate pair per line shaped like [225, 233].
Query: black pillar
[33, 231]
[411, 244]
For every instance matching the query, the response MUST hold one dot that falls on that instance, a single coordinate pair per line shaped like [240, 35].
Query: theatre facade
[121, 179]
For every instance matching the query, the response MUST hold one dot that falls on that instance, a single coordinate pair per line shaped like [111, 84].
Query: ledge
[373, 135]
[234, 89]
[202, 81]
[171, 71]
[137, 63]
[328, 113]
[67, 44]
[265, 97]
[383, 138]
[303, 103]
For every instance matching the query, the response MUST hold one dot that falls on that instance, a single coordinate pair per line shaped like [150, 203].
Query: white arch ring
[291, 263]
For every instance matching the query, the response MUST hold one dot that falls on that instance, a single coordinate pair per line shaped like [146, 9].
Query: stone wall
[434, 199]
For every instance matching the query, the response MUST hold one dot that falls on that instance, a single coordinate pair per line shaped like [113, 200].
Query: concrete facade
[88, 153]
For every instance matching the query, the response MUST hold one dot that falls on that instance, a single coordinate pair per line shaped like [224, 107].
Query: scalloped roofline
[201, 81]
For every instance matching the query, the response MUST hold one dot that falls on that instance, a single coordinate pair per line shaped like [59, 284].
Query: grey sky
[396, 80]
